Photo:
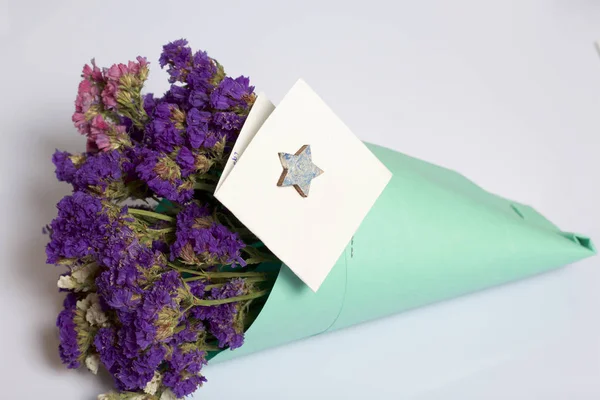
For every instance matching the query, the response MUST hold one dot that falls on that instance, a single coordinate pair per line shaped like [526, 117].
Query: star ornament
[298, 170]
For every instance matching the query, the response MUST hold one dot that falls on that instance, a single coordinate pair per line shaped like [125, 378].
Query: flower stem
[151, 214]
[215, 274]
[181, 269]
[194, 278]
[209, 177]
[208, 347]
[216, 302]
[163, 230]
[204, 186]
[216, 285]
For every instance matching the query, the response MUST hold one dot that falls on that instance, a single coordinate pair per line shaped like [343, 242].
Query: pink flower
[81, 123]
[105, 135]
[135, 67]
[109, 94]
[92, 72]
[86, 96]
[99, 132]
[96, 94]
[115, 72]
[113, 77]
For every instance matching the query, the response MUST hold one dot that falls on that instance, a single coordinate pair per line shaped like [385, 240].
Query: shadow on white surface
[42, 193]
[40, 196]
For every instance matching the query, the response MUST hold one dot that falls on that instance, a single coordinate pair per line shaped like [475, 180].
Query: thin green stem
[204, 186]
[189, 271]
[216, 302]
[215, 274]
[194, 278]
[163, 230]
[208, 177]
[151, 214]
[208, 347]
[216, 285]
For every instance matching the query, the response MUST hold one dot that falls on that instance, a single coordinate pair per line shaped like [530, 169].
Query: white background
[507, 92]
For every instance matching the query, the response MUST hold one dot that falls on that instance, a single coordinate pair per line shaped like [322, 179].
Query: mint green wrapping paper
[431, 235]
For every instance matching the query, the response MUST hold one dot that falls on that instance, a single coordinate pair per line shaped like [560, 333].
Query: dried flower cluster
[153, 289]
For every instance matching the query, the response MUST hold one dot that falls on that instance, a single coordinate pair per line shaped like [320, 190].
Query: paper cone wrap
[431, 235]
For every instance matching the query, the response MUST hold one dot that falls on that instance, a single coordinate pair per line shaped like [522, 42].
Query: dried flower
[138, 277]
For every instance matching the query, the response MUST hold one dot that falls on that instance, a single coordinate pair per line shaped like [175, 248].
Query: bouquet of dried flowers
[158, 273]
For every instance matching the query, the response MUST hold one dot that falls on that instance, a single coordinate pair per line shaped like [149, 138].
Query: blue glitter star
[298, 170]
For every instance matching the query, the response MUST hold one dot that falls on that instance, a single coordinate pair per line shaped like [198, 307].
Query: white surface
[308, 234]
[505, 91]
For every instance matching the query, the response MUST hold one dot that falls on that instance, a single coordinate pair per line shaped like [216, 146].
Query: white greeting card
[259, 113]
[302, 149]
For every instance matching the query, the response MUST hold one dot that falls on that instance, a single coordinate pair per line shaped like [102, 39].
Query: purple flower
[133, 352]
[159, 313]
[197, 288]
[163, 110]
[178, 57]
[79, 228]
[134, 371]
[198, 98]
[116, 297]
[131, 367]
[223, 321]
[229, 121]
[197, 127]
[149, 103]
[183, 373]
[203, 72]
[196, 117]
[228, 125]
[178, 95]
[160, 246]
[67, 329]
[199, 239]
[190, 332]
[163, 176]
[232, 93]
[186, 161]
[65, 169]
[99, 169]
[162, 132]
[104, 342]
[125, 259]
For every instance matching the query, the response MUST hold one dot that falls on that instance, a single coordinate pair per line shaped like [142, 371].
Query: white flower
[86, 302]
[66, 282]
[95, 316]
[93, 310]
[80, 278]
[152, 386]
[83, 273]
[168, 395]
[92, 363]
